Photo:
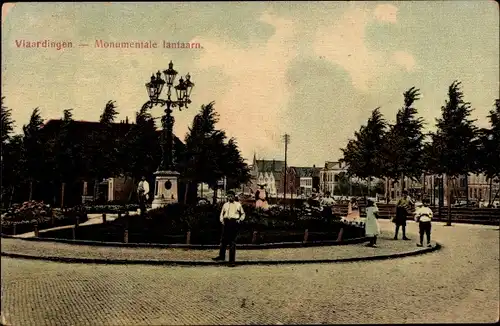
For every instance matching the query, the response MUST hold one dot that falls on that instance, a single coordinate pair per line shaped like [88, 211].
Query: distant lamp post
[166, 177]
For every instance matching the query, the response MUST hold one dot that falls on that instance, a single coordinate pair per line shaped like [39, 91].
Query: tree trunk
[133, 190]
[433, 193]
[496, 195]
[186, 190]
[214, 199]
[490, 199]
[31, 191]
[63, 186]
[11, 196]
[448, 198]
[467, 189]
[387, 190]
[424, 189]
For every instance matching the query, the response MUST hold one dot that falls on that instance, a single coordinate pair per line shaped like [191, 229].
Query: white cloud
[404, 59]
[386, 13]
[344, 43]
[256, 93]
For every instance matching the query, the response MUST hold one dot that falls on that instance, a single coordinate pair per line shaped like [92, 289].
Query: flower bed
[22, 218]
[111, 209]
[359, 223]
[170, 225]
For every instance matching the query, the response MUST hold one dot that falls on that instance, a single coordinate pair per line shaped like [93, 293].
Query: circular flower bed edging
[274, 245]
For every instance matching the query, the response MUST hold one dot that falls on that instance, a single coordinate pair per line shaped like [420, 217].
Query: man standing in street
[143, 193]
[230, 216]
[402, 209]
[423, 215]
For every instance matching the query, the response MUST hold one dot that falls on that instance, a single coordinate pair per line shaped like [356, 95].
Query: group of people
[232, 214]
[423, 215]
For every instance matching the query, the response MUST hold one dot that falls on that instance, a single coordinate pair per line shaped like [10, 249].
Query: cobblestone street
[458, 283]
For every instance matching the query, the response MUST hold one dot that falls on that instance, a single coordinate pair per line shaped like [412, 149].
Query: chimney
[126, 120]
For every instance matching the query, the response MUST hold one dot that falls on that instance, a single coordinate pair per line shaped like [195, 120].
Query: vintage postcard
[228, 163]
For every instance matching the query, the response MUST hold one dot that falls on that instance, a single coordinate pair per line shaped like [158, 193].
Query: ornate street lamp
[166, 176]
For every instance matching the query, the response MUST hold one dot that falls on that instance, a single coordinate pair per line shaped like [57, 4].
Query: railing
[458, 214]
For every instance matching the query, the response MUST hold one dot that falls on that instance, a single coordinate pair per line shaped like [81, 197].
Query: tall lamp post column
[166, 178]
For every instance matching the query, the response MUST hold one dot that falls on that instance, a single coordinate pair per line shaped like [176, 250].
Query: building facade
[329, 176]
[306, 180]
[478, 187]
[268, 173]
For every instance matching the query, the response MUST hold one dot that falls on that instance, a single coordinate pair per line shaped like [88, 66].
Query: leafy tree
[34, 149]
[6, 122]
[13, 163]
[109, 114]
[142, 147]
[404, 142]
[233, 165]
[68, 161]
[363, 154]
[6, 128]
[489, 148]
[453, 141]
[208, 157]
[104, 145]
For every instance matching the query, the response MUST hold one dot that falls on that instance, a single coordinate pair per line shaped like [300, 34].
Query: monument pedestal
[166, 191]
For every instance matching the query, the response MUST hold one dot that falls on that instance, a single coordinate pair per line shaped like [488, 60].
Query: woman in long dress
[372, 228]
[261, 198]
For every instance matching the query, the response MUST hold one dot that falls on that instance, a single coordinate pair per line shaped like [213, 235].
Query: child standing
[372, 229]
[423, 215]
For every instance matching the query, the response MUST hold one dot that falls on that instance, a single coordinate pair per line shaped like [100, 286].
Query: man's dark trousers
[229, 238]
[142, 204]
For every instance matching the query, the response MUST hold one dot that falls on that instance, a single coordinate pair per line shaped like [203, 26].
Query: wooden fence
[490, 216]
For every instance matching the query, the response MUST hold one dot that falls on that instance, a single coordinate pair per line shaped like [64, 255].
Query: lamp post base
[166, 190]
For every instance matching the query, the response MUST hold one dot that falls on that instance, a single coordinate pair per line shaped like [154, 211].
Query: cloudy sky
[314, 70]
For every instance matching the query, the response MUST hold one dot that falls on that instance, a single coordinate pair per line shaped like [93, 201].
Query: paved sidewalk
[100, 254]
[92, 219]
[454, 285]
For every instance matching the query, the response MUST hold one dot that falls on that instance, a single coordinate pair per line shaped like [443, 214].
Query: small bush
[25, 216]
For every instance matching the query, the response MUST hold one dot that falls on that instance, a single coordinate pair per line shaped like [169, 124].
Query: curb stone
[274, 245]
[436, 247]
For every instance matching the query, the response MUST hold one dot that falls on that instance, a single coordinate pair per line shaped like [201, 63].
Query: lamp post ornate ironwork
[166, 176]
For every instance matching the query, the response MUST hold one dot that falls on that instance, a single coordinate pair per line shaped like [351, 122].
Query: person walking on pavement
[423, 215]
[143, 193]
[327, 204]
[231, 215]
[372, 228]
[402, 208]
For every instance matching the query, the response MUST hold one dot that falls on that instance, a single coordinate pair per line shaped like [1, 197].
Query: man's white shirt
[327, 201]
[232, 210]
[144, 185]
[423, 214]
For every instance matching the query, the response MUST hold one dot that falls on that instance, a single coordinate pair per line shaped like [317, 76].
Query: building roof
[270, 165]
[304, 172]
[85, 128]
[335, 165]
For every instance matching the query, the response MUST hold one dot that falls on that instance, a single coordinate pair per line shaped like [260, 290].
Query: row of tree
[402, 149]
[49, 161]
